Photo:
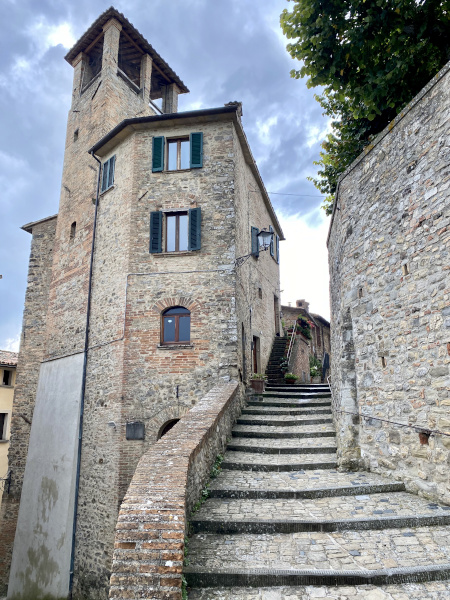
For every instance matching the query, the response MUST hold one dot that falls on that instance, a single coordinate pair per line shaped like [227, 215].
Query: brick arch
[186, 301]
[171, 413]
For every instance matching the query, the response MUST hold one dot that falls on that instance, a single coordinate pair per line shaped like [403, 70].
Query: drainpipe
[83, 381]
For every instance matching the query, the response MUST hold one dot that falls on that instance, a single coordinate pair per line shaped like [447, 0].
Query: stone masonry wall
[153, 519]
[299, 363]
[32, 348]
[131, 377]
[390, 289]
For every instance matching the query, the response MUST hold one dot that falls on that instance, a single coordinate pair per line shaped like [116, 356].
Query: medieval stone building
[135, 306]
[389, 245]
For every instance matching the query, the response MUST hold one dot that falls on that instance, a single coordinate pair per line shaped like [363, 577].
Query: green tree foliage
[371, 57]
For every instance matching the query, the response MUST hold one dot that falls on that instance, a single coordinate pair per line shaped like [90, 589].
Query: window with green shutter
[271, 242]
[277, 238]
[108, 173]
[158, 154]
[196, 140]
[155, 232]
[195, 217]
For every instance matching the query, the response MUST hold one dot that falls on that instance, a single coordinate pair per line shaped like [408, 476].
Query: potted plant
[290, 378]
[304, 327]
[258, 382]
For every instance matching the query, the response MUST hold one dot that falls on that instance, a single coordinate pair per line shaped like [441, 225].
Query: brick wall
[152, 524]
[390, 290]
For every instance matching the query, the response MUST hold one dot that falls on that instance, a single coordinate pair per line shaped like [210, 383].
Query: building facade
[141, 307]
[389, 246]
[315, 341]
[8, 365]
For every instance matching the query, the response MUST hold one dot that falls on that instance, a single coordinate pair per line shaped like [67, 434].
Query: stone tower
[135, 307]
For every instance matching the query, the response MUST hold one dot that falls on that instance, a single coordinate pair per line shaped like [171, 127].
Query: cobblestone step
[288, 446]
[316, 558]
[375, 511]
[433, 590]
[268, 410]
[243, 461]
[289, 403]
[300, 484]
[283, 421]
[284, 431]
[295, 394]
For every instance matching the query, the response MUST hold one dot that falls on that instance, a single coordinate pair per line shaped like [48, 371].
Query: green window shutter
[112, 163]
[158, 154]
[277, 237]
[196, 140]
[255, 241]
[271, 241]
[195, 218]
[155, 231]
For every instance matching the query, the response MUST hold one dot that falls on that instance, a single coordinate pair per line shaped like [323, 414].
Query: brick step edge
[279, 578]
[268, 526]
[285, 450]
[291, 423]
[237, 466]
[270, 435]
[308, 494]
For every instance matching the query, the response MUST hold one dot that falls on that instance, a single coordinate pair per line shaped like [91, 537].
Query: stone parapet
[153, 519]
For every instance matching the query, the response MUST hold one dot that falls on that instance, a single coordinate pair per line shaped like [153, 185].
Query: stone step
[286, 411]
[303, 386]
[284, 431]
[433, 590]
[296, 394]
[375, 511]
[301, 484]
[248, 461]
[289, 403]
[289, 446]
[283, 421]
[317, 558]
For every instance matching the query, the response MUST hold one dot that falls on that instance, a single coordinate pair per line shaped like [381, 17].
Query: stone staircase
[282, 523]
[273, 371]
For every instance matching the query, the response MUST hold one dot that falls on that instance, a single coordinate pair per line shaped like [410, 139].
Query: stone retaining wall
[153, 519]
[389, 247]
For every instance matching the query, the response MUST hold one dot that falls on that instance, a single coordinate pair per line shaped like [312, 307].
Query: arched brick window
[167, 427]
[176, 326]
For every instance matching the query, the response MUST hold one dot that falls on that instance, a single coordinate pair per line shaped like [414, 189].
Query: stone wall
[32, 349]
[389, 248]
[299, 363]
[153, 518]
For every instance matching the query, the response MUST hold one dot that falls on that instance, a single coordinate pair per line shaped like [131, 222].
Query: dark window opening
[260, 293]
[93, 64]
[176, 326]
[75, 135]
[108, 173]
[130, 58]
[73, 230]
[360, 293]
[3, 426]
[167, 427]
[383, 362]
[178, 154]
[405, 269]
[177, 232]
[7, 377]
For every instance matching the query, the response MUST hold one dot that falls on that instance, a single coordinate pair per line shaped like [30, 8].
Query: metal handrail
[291, 347]
[417, 428]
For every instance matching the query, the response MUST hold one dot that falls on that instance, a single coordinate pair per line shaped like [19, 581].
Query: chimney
[302, 304]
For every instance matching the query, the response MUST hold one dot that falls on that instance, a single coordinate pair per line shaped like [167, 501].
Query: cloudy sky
[223, 50]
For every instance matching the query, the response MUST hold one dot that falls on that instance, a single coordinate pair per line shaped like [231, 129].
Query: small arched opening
[167, 427]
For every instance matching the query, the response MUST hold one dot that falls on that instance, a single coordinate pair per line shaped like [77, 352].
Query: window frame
[4, 429]
[166, 217]
[178, 141]
[176, 342]
[110, 166]
[10, 378]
